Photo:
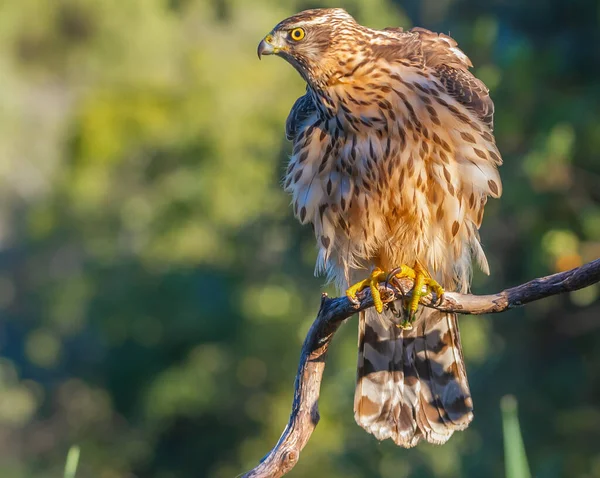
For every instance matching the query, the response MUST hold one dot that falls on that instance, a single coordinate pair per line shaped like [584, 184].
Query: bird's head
[308, 41]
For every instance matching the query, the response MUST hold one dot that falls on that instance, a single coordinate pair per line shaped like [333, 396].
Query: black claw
[392, 307]
[392, 274]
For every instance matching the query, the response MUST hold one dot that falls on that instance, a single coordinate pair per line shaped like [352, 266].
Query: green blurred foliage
[155, 291]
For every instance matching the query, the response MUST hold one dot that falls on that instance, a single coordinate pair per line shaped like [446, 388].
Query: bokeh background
[155, 290]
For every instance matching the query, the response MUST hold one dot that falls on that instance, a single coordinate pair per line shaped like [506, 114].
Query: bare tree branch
[333, 312]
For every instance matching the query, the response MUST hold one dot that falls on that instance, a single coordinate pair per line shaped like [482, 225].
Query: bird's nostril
[269, 38]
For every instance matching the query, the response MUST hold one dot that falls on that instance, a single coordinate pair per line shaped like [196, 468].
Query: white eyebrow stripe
[316, 21]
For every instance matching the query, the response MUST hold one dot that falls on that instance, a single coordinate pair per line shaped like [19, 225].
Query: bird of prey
[393, 161]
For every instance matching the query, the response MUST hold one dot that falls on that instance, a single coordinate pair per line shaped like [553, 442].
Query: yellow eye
[297, 34]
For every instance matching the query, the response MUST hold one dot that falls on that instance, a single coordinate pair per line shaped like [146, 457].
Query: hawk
[393, 161]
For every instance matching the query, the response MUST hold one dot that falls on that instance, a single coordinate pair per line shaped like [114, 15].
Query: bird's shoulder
[440, 54]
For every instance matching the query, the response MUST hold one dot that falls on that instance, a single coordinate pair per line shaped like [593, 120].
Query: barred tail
[411, 384]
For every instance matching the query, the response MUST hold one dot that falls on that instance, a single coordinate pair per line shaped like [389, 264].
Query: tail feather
[408, 433]
[411, 384]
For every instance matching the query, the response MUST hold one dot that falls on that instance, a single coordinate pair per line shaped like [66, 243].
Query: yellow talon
[372, 282]
[421, 279]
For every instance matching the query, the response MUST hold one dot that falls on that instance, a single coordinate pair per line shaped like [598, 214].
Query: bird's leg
[372, 282]
[423, 285]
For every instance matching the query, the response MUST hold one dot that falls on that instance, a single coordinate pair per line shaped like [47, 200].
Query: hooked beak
[266, 47]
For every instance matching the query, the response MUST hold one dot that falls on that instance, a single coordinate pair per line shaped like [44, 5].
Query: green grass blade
[72, 462]
[515, 458]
